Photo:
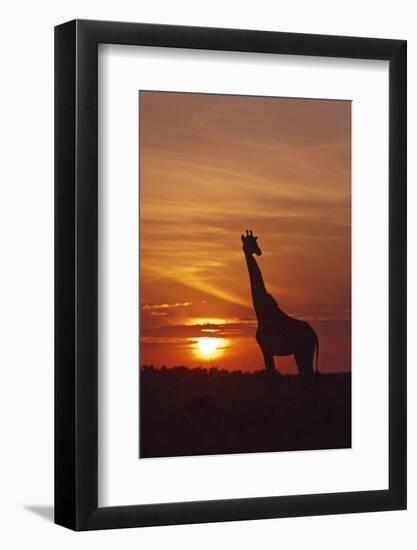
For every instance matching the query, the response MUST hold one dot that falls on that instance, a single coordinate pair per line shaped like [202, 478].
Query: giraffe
[278, 333]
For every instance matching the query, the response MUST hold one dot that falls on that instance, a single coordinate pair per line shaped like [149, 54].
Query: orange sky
[212, 166]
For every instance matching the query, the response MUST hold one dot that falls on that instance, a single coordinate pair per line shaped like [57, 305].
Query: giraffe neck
[256, 283]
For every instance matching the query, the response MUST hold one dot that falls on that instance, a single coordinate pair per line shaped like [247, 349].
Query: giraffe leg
[269, 361]
[304, 360]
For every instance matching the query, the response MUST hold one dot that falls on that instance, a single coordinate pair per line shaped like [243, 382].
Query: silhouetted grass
[198, 411]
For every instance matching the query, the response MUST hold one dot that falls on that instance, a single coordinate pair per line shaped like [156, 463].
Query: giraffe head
[250, 245]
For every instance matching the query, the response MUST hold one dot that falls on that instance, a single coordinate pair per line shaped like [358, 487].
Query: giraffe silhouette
[278, 333]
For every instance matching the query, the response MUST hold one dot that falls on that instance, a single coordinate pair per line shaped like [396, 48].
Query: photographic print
[245, 274]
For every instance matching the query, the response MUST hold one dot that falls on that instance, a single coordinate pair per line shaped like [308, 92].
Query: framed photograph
[230, 255]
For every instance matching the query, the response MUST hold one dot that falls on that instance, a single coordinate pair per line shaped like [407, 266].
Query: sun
[209, 347]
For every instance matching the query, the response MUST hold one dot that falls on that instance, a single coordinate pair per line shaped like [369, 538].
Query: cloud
[152, 307]
[227, 329]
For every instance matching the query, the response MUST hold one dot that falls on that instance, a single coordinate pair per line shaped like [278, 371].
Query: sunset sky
[212, 166]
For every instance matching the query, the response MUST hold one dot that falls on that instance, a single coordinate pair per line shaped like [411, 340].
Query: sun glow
[210, 347]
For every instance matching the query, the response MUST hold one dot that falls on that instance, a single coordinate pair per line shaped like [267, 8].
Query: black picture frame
[76, 272]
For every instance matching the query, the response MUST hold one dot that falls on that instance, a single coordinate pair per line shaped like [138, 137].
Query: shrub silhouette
[192, 411]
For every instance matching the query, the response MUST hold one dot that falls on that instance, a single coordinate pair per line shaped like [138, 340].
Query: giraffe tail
[317, 353]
